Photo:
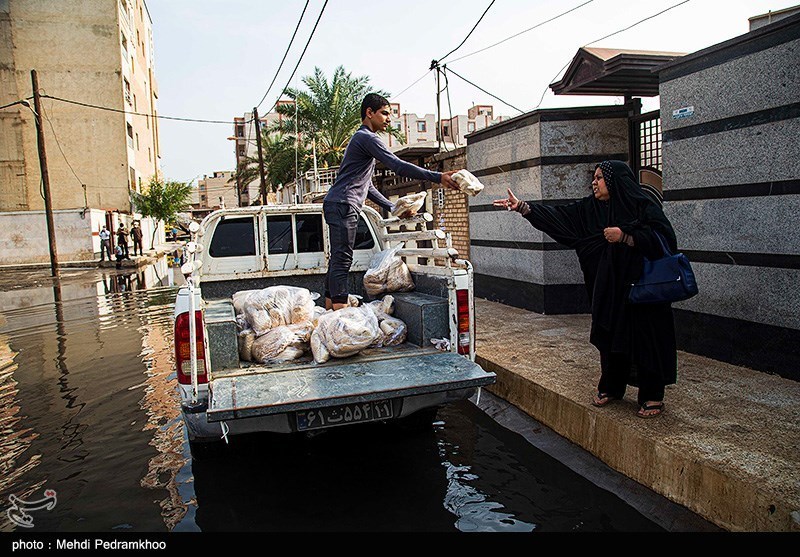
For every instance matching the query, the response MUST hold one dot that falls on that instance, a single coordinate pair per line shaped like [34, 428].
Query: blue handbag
[669, 279]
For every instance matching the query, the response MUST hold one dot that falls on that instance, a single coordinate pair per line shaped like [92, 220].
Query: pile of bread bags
[282, 323]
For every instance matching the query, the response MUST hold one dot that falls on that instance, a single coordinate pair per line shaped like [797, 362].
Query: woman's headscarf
[630, 207]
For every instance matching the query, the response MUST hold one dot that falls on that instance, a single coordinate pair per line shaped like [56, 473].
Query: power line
[468, 34]
[600, 39]
[109, 109]
[485, 91]
[21, 101]
[637, 23]
[521, 32]
[58, 143]
[394, 97]
[322, 11]
[284, 55]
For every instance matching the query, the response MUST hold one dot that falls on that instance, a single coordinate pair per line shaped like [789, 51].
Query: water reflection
[89, 408]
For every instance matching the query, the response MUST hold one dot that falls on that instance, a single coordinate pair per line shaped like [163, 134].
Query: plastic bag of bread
[278, 305]
[239, 299]
[387, 273]
[344, 332]
[412, 202]
[394, 331]
[467, 182]
[282, 344]
[245, 339]
[382, 308]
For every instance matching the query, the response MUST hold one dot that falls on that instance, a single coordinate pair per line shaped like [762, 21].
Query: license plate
[344, 414]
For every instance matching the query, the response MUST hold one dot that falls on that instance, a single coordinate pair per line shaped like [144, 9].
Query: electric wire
[449, 107]
[521, 32]
[308, 42]
[109, 109]
[485, 91]
[468, 34]
[21, 101]
[58, 143]
[600, 39]
[278, 71]
[410, 86]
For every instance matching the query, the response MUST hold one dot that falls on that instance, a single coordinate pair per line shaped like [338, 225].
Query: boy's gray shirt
[353, 184]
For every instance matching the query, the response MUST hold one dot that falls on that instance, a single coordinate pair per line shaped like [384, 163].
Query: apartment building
[96, 52]
[478, 117]
[216, 191]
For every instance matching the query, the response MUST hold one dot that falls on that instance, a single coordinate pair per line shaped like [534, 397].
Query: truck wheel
[419, 421]
[206, 450]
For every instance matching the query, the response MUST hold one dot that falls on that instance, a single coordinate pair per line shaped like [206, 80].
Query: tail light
[462, 301]
[183, 349]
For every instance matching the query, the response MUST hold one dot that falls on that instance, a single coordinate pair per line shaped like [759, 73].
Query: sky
[214, 60]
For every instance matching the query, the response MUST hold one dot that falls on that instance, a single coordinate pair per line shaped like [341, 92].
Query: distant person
[174, 233]
[120, 253]
[353, 186]
[136, 234]
[105, 244]
[122, 239]
[612, 231]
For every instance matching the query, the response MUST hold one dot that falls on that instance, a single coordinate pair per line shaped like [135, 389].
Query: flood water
[89, 409]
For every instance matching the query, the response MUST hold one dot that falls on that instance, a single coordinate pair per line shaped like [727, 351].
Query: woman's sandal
[650, 410]
[601, 399]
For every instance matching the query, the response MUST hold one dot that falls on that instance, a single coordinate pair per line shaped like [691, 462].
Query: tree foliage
[162, 201]
[328, 113]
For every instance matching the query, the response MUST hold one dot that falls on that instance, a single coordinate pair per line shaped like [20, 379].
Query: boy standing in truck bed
[353, 186]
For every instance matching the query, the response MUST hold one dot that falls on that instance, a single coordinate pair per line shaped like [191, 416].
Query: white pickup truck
[255, 247]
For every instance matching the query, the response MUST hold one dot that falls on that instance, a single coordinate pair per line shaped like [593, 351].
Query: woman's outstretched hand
[510, 204]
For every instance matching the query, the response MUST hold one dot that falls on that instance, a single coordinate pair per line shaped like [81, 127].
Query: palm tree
[278, 150]
[328, 113]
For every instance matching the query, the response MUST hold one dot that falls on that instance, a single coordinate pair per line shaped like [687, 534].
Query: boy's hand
[447, 180]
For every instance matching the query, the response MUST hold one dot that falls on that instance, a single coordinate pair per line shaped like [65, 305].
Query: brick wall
[449, 208]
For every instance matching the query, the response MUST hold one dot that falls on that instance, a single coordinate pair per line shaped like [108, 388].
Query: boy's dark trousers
[342, 219]
[105, 246]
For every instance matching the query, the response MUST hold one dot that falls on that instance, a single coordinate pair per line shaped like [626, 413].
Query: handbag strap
[663, 243]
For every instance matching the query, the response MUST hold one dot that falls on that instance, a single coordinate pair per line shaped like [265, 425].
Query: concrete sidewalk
[727, 445]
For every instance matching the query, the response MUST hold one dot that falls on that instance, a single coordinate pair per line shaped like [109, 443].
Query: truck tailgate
[313, 387]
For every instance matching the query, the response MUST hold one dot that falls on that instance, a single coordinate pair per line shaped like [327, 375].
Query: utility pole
[260, 157]
[48, 204]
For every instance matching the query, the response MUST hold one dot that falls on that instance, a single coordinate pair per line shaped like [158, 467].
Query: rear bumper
[201, 430]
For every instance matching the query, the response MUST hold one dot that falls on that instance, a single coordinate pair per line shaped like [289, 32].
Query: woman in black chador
[611, 231]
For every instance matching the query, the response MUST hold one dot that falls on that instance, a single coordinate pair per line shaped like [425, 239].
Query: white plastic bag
[412, 202]
[278, 305]
[467, 182]
[394, 331]
[382, 308]
[343, 333]
[282, 344]
[239, 299]
[387, 273]
[245, 339]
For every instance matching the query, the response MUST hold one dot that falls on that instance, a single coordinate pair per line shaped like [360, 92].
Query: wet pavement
[89, 409]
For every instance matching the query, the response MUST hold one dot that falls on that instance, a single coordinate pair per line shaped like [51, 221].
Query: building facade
[95, 52]
[216, 191]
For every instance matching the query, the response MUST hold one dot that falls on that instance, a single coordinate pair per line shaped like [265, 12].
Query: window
[134, 103]
[127, 89]
[446, 131]
[233, 237]
[241, 151]
[130, 136]
[422, 126]
[398, 126]
[124, 43]
[279, 234]
[132, 173]
[239, 131]
[137, 141]
[309, 233]
[364, 238]
[470, 127]
[149, 155]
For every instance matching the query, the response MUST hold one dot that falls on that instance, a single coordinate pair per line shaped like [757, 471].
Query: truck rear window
[233, 237]
[364, 238]
[279, 234]
[309, 233]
